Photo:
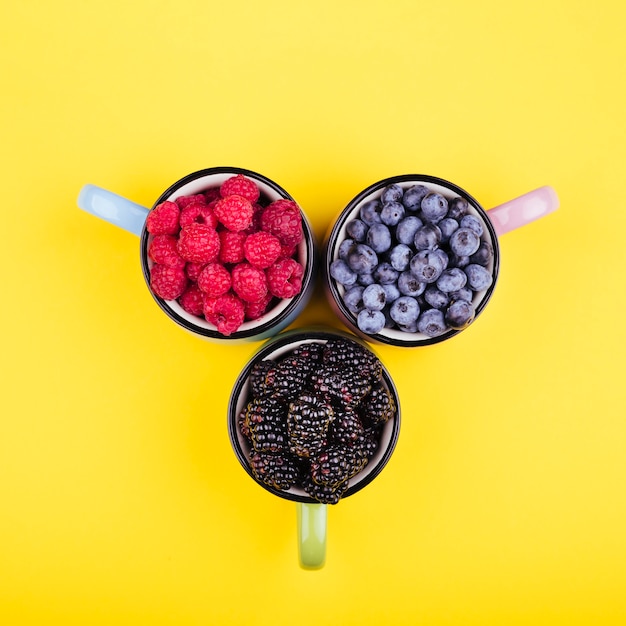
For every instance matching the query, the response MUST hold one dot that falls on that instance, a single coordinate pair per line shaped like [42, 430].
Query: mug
[134, 218]
[291, 448]
[413, 259]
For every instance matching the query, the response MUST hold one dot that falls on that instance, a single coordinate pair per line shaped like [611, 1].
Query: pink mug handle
[523, 210]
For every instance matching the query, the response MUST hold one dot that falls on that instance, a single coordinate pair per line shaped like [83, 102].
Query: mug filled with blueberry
[227, 254]
[413, 260]
[313, 417]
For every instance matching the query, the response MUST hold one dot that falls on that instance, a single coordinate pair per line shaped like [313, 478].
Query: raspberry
[284, 278]
[239, 185]
[192, 300]
[249, 282]
[288, 251]
[225, 312]
[254, 310]
[213, 193]
[193, 270]
[199, 213]
[261, 249]
[283, 219]
[231, 246]
[199, 243]
[184, 201]
[163, 219]
[214, 280]
[234, 212]
[167, 282]
[163, 250]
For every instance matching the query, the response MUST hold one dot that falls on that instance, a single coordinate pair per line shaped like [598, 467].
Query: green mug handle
[311, 534]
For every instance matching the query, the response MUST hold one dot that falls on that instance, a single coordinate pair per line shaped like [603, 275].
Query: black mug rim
[331, 243]
[279, 341]
[266, 327]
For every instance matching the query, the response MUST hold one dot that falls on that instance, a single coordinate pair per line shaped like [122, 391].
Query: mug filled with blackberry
[227, 254]
[413, 260]
[313, 417]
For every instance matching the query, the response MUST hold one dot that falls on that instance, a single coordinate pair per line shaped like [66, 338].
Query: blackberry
[368, 442]
[323, 493]
[266, 419]
[346, 428]
[311, 351]
[378, 407]
[336, 465]
[308, 419]
[288, 377]
[276, 470]
[242, 422]
[350, 354]
[257, 377]
[346, 387]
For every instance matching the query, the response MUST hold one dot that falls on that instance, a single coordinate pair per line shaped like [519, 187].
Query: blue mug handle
[113, 208]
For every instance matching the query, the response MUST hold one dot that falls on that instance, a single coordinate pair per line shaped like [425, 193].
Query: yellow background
[121, 501]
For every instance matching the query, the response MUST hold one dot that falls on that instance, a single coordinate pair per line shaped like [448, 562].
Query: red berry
[214, 280]
[249, 282]
[239, 185]
[262, 249]
[234, 212]
[225, 312]
[163, 219]
[184, 201]
[193, 270]
[284, 278]
[192, 300]
[231, 246]
[197, 212]
[283, 219]
[199, 243]
[254, 310]
[213, 193]
[163, 249]
[167, 282]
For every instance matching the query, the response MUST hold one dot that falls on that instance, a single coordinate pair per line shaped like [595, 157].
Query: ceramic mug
[469, 287]
[132, 217]
[311, 514]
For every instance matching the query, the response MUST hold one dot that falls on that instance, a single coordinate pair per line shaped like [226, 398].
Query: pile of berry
[413, 260]
[314, 417]
[225, 254]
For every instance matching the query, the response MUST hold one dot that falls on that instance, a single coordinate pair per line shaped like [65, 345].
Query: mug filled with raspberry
[226, 253]
[314, 417]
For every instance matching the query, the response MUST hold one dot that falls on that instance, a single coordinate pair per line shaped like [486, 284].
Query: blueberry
[391, 292]
[378, 238]
[436, 298]
[406, 229]
[452, 280]
[362, 259]
[353, 299]
[457, 208]
[399, 257]
[340, 271]
[366, 279]
[478, 278]
[345, 247]
[391, 213]
[458, 261]
[374, 297]
[426, 266]
[442, 254]
[356, 229]
[473, 223]
[431, 322]
[464, 293]
[409, 285]
[371, 322]
[408, 328]
[404, 310]
[483, 255]
[370, 212]
[427, 237]
[413, 197]
[447, 226]
[434, 207]
[464, 242]
[391, 193]
[385, 274]
[459, 314]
